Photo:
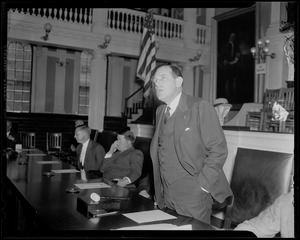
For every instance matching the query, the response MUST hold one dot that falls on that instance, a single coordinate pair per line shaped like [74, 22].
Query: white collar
[173, 105]
[85, 144]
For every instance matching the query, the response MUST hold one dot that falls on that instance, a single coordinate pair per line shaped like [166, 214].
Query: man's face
[167, 87]
[80, 136]
[123, 143]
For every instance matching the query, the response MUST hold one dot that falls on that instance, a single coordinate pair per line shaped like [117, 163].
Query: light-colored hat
[222, 101]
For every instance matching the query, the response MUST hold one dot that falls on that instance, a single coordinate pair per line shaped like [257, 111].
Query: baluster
[116, 20]
[113, 22]
[204, 36]
[71, 15]
[65, 14]
[75, 15]
[85, 16]
[80, 15]
[33, 11]
[120, 15]
[90, 15]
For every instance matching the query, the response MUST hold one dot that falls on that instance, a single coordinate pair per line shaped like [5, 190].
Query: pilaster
[97, 90]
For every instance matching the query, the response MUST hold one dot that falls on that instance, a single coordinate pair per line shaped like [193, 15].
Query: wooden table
[52, 211]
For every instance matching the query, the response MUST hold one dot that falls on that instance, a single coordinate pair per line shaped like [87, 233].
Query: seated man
[277, 218]
[90, 154]
[12, 137]
[222, 107]
[126, 164]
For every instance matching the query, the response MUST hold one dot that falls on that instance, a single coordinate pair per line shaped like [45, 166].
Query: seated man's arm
[136, 165]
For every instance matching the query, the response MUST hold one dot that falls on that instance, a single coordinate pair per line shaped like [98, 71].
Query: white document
[149, 216]
[47, 162]
[92, 185]
[161, 226]
[64, 171]
[36, 154]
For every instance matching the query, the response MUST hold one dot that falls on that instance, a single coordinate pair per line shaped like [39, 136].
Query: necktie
[167, 115]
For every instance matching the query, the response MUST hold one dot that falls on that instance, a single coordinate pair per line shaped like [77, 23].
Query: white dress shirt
[83, 151]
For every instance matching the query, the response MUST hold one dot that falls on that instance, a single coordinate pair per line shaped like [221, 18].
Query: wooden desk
[53, 210]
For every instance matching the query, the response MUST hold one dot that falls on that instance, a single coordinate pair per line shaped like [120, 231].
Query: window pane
[18, 96]
[18, 85]
[9, 106]
[19, 55]
[25, 107]
[17, 106]
[19, 65]
[27, 76]
[11, 64]
[10, 95]
[10, 85]
[19, 75]
[27, 66]
[26, 86]
[10, 74]
[27, 55]
[26, 96]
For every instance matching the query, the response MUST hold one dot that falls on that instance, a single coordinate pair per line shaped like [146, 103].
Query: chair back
[94, 134]
[258, 178]
[286, 98]
[54, 142]
[28, 139]
[270, 97]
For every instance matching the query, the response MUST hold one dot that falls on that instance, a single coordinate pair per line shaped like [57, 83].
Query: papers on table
[92, 185]
[149, 216]
[161, 226]
[35, 154]
[47, 162]
[65, 171]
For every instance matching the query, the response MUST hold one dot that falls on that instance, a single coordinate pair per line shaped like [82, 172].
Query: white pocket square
[187, 129]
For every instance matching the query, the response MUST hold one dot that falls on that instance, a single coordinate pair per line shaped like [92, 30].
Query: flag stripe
[147, 61]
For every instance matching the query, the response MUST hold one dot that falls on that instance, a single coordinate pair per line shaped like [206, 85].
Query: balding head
[82, 134]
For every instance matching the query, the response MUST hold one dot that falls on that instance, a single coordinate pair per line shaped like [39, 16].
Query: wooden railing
[133, 102]
[74, 15]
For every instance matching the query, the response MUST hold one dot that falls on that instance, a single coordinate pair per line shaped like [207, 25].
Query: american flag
[147, 60]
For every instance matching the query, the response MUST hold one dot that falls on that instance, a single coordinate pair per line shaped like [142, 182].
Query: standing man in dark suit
[188, 150]
[90, 154]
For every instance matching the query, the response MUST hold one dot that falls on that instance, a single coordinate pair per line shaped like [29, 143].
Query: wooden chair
[54, 142]
[270, 97]
[286, 99]
[258, 178]
[28, 139]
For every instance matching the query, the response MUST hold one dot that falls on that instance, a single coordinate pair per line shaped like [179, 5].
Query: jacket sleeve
[136, 164]
[100, 153]
[215, 145]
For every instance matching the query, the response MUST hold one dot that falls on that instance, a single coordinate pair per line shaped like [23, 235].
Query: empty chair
[258, 178]
[54, 142]
[27, 139]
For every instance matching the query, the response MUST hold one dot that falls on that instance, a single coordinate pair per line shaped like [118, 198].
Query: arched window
[84, 83]
[19, 67]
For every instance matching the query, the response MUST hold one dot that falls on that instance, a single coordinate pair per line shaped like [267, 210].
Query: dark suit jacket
[200, 145]
[93, 157]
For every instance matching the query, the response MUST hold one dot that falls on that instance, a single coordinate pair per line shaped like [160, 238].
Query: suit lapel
[181, 117]
[87, 153]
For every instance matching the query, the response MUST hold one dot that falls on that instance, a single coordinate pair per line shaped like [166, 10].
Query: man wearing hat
[222, 107]
[123, 163]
